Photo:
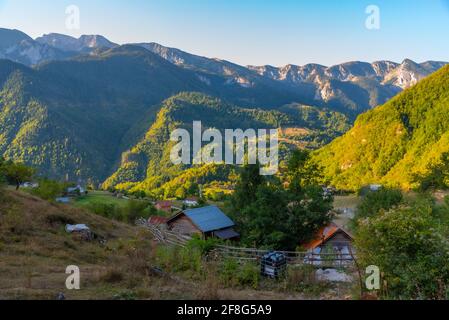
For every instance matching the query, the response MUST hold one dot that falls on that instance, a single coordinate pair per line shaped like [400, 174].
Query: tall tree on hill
[17, 173]
[301, 172]
[270, 216]
[246, 189]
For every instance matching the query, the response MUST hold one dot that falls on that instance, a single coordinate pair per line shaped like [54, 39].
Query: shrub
[228, 272]
[135, 209]
[125, 295]
[176, 259]
[48, 189]
[409, 245]
[232, 273]
[107, 210]
[373, 202]
[204, 246]
[249, 275]
[15, 221]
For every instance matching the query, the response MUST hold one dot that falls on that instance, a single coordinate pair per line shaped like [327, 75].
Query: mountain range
[78, 107]
[351, 88]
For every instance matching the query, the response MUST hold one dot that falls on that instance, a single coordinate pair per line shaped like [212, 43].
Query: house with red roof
[330, 239]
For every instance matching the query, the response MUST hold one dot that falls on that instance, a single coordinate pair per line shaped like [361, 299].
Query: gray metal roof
[226, 234]
[209, 218]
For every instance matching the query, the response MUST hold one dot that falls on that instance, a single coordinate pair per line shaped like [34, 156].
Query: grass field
[99, 197]
[350, 201]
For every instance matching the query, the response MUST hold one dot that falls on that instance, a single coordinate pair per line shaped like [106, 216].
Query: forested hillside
[147, 165]
[398, 144]
[77, 117]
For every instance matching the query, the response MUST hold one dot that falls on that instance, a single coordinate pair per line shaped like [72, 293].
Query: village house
[206, 222]
[191, 202]
[165, 206]
[75, 191]
[330, 239]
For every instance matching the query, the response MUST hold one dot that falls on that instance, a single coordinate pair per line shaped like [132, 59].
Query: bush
[107, 210]
[249, 275]
[204, 246]
[373, 202]
[228, 271]
[409, 245]
[232, 273]
[176, 259]
[15, 221]
[49, 189]
[136, 209]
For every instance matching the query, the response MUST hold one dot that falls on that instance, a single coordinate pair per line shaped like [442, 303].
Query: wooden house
[331, 236]
[332, 240]
[206, 222]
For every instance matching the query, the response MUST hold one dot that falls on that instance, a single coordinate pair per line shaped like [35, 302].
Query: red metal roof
[157, 220]
[323, 235]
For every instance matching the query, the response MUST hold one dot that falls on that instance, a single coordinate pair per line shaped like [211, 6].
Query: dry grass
[350, 201]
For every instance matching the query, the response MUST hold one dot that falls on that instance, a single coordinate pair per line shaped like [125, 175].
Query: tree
[437, 176]
[49, 189]
[373, 202]
[301, 172]
[307, 213]
[247, 186]
[17, 173]
[410, 247]
[268, 215]
[2, 171]
[262, 221]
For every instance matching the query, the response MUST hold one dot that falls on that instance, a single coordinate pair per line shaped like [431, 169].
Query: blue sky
[257, 32]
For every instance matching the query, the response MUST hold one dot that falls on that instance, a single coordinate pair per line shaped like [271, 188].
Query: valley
[88, 177]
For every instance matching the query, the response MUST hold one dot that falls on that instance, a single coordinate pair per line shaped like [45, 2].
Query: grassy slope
[99, 197]
[35, 250]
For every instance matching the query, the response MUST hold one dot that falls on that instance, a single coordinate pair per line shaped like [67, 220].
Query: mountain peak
[11, 37]
[82, 44]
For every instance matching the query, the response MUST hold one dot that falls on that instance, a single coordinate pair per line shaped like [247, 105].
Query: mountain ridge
[351, 87]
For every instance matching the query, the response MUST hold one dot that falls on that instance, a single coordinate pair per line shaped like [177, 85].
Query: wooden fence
[332, 259]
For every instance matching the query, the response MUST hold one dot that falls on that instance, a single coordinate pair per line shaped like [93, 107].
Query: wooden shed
[206, 222]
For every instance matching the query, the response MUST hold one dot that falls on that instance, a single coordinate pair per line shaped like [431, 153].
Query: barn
[207, 222]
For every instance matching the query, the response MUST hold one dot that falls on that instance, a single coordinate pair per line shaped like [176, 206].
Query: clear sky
[256, 32]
